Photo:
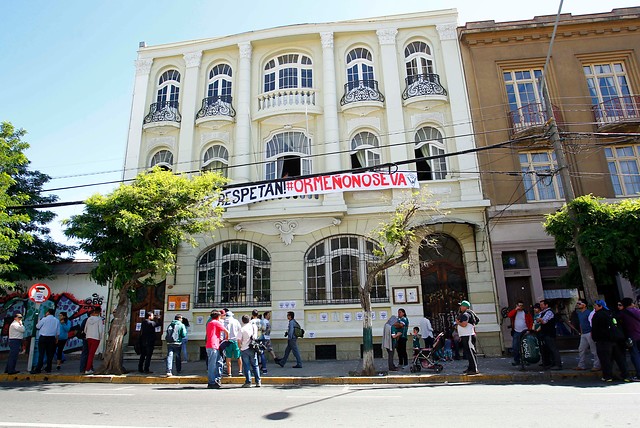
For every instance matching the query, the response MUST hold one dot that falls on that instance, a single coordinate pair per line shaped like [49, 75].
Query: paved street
[575, 404]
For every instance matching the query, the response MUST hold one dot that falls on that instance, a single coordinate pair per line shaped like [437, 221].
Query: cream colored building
[318, 99]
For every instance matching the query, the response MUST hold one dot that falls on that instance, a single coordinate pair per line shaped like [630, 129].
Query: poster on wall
[156, 312]
[324, 317]
[199, 320]
[383, 315]
[138, 326]
[142, 313]
[178, 302]
[346, 316]
[373, 315]
[359, 316]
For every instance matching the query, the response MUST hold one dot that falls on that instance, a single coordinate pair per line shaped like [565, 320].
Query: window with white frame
[336, 268]
[234, 273]
[540, 177]
[624, 167]
[163, 159]
[360, 69]
[418, 59]
[169, 89]
[216, 158]
[610, 92]
[365, 150]
[288, 71]
[219, 83]
[288, 155]
[526, 104]
[429, 143]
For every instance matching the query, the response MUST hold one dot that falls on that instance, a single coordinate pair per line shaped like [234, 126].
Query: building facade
[593, 80]
[269, 105]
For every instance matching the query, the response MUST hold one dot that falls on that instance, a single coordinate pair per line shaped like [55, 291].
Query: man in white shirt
[426, 331]
[249, 356]
[49, 327]
[233, 350]
[16, 334]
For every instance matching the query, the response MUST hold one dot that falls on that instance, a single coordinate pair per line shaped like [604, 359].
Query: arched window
[169, 88]
[234, 274]
[359, 69]
[286, 155]
[365, 150]
[163, 159]
[288, 71]
[428, 143]
[216, 158]
[418, 59]
[219, 83]
[336, 268]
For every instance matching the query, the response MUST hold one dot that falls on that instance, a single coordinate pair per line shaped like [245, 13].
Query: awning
[563, 293]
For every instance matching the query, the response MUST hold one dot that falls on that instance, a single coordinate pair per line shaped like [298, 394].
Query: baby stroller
[529, 348]
[425, 358]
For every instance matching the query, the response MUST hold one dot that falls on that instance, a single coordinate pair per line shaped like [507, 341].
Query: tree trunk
[368, 367]
[113, 350]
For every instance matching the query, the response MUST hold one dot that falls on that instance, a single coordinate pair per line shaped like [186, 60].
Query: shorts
[232, 350]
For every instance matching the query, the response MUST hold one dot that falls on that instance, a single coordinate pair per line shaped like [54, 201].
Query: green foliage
[12, 160]
[134, 232]
[609, 234]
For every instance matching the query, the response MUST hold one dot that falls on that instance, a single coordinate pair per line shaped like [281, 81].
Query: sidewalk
[492, 370]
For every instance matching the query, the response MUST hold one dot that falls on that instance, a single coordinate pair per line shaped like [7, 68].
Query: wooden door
[146, 299]
[519, 288]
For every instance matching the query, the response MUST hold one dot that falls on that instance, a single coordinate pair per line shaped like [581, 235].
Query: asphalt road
[110, 405]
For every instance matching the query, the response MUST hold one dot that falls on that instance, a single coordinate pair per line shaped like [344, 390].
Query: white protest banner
[317, 185]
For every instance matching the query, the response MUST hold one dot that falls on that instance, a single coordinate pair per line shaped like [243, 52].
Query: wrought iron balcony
[616, 110]
[232, 300]
[361, 90]
[166, 111]
[531, 117]
[216, 106]
[423, 84]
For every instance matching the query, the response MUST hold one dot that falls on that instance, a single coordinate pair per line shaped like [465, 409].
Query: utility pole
[586, 270]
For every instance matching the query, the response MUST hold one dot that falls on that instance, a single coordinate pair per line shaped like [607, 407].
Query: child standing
[416, 340]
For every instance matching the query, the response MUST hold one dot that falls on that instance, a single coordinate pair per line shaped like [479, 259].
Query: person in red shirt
[521, 320]
[214, 355]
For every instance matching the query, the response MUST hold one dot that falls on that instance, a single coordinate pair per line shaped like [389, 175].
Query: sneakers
[169, 374]
[246, 385]
[264, 371]
[606, 379]
[89, 372]
[214, 386]
[258, 385]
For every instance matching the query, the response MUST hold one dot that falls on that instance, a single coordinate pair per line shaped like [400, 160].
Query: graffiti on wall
[77, 310]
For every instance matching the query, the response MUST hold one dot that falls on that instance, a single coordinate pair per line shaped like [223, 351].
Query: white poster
[199, 320]
[373, 315]
[158, 329]
[359, 316]
[138, 326]
[142, 313]
[383, 315]
[324, 317]
[183, 306]
[172, 306]
[346, 316]
[156, 312]
[312, 334]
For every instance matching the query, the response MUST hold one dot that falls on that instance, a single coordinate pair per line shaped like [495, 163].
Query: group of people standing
[604, 334]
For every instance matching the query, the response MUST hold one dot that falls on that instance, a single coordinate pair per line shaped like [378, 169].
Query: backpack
[473, 318]
[173, 333]
[297, 331]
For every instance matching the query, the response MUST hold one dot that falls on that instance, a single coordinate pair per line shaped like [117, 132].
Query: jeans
[469, 346]
[14, 351]
[587, 344]
[292, 346]
[515, 346]
[177, 350]
[249, 365]
[608, 352]
[214, 366]
[84, 356]
[185, 356]
[46, 345]
[635, 356]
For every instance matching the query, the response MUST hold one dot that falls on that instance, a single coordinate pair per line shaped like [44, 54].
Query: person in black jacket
[147, 342]
[603, 333]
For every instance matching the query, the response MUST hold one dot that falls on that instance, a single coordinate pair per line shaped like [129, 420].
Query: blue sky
[67, 66]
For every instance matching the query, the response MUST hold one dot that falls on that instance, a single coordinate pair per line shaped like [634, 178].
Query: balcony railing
[361, 90]
[232, 300]
[216, 106]
[166, 111]
[531, 116]
[619, 109]
[423, 84]
[294, 97]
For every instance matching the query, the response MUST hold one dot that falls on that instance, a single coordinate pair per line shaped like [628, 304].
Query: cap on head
[602, 303]
[465, 303]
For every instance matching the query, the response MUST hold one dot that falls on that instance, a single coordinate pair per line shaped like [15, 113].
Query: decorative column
[469, 179]
[240, 171]
[331, 142]
[393, 96]
[138, 111]
[187, 158]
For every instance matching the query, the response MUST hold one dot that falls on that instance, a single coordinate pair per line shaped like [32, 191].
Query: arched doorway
[443, 279]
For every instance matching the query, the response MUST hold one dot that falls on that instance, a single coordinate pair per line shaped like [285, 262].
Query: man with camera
[292, 343]
[249, 350]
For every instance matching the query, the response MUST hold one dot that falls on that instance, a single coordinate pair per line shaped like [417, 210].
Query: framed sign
[399, 296]
[412, 295]
[178, 302]
[405, 295]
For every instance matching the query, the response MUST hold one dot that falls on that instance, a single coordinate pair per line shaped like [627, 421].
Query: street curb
[541, 377]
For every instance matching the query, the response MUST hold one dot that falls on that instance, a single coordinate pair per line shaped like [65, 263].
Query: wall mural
[77, 310]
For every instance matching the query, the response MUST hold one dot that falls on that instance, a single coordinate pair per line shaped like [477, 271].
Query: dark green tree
[133, 234]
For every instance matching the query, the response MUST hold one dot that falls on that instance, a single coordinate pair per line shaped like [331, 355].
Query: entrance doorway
[443, 280]
[147, 299]
[518, 289]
